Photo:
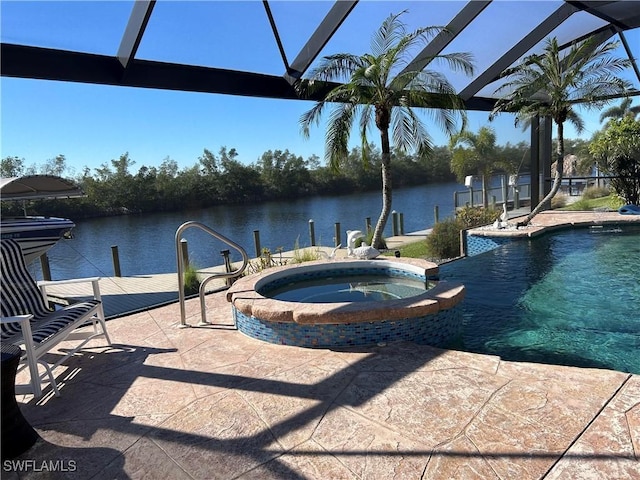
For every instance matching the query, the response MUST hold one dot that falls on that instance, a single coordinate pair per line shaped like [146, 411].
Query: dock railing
[519, 193]
[473, 196]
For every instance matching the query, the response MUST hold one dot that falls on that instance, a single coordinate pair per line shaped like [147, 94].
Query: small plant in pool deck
[191, 280]
[304, 254]
[265, 261]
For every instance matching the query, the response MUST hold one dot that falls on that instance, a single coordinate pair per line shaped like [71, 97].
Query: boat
[36, 234]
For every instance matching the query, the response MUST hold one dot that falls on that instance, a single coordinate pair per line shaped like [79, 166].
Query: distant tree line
[117, 188]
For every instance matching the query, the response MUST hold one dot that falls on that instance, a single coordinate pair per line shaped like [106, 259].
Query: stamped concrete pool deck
[208, 402]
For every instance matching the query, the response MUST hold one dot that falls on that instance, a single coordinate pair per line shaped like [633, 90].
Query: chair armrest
[43, 284]
[71, 280]
[17, 318]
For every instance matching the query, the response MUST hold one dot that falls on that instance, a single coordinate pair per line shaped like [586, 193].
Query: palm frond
[458, 62]
[551, 83]
[576, 121]
[366, 118]
[336, 67]
[403, 130]
[389, 33]
[408, 131]
[404, 51]
[310, 117]
[338, 133]
[369, 88]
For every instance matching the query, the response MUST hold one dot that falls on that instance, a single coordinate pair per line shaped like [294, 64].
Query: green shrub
[579, 205]
[191, 280]
[305, 255]
[595, 192]
[444, 240]
[471, 217]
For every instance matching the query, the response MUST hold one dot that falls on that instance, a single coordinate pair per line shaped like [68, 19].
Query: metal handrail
[201, 291]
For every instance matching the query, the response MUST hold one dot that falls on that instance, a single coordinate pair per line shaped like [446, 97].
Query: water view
[146, 242]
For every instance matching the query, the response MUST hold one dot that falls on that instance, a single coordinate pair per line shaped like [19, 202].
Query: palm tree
[376, 94]
[551, 84]
[620, 111]
[481, 158]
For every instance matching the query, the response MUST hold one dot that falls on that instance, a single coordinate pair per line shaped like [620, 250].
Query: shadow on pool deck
[212, 403]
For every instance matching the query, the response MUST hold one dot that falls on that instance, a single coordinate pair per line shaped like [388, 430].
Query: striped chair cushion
[42, 329]
[19, 292]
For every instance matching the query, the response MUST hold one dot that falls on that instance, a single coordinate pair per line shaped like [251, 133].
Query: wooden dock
[124, 295]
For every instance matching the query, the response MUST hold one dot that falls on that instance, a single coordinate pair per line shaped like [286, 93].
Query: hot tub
[392, 307]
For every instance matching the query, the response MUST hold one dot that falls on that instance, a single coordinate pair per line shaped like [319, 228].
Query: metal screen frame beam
[519, 49]
[464, 17]
[136, 26]
[276, 34]
[627, 49]
[594, 8]
[327, 28]
[21, 61]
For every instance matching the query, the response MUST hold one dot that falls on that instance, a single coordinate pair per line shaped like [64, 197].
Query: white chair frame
[55, 327]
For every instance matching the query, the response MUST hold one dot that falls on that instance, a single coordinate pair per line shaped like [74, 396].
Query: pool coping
[552, 220]
[244, 297]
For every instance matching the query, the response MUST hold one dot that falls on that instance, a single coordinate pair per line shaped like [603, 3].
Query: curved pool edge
[553, 220]
[430, 317]
[482, 239]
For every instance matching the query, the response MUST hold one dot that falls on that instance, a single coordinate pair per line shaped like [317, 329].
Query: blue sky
[92, 124]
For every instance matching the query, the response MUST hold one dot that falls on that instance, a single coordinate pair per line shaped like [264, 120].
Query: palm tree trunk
[557, 181]
[376, 242]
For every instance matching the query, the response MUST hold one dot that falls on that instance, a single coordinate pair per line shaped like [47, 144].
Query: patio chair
[28, 322]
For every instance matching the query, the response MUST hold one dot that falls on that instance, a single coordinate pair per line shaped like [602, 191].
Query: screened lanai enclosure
[275, 43]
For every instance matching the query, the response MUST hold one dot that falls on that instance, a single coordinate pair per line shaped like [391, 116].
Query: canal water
[146, 243]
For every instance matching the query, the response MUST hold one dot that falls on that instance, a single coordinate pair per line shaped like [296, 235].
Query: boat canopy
[38, 187]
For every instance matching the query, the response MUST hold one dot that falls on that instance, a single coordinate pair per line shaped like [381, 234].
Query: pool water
[570, 298]
[353, 288]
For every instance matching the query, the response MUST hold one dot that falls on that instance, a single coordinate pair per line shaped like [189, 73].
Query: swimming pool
[568, 298]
